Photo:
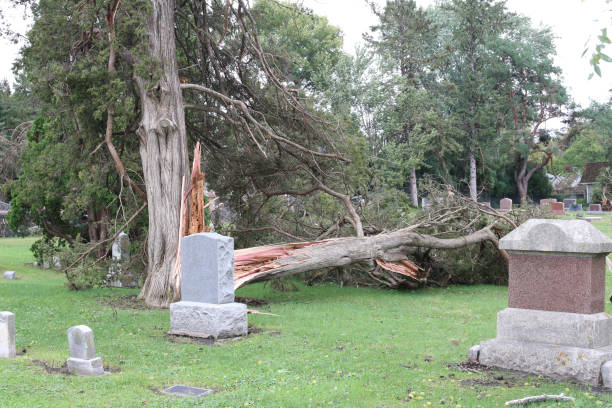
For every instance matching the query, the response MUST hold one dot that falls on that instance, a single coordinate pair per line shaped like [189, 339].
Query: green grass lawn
[331, 346]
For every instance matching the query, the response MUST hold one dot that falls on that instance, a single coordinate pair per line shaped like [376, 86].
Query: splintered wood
[196, 222]
[249, 263]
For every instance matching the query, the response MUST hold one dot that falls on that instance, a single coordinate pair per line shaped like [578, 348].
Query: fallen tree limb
[271, 262]
[538, 398]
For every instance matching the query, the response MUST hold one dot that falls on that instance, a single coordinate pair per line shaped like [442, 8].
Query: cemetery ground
[330, 346]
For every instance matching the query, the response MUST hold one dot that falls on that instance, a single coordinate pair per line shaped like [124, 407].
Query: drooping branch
[241, 106]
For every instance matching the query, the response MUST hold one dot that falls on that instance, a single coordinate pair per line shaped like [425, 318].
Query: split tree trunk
[393, 246]
[414, 194]
[163, 150]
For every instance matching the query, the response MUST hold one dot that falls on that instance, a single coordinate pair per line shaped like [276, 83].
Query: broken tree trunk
[266, 263]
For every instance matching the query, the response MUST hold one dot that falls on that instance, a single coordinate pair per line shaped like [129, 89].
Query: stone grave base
[79, 366]
[568, 346]
[128, 281]
[594, 212]
[207, 320]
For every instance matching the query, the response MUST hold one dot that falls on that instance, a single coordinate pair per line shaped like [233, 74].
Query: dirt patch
[126, 302]
[180, 339]
[53, 367]
[56, 367]
[471, 366]
[493, 381]
[209, 341]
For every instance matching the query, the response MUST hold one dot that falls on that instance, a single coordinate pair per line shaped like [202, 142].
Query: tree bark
[473, 181]
[163, 151]
[522, 176]
[414, 194]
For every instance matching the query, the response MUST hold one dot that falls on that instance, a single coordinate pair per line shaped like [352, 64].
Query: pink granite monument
[555, 323]
[557, 208]
[505, 205]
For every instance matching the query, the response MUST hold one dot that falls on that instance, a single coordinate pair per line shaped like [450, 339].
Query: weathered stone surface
[208, 320]
[505, 205]
[57, 263]
[121, 248]
[186, 391]
[561, 362]
[81, 343]
[207, 268]
[569, 236]
[566, 329]
[557, 209]
[606, 374]
[78, 366]
[10, 275]
[474, 353]
[557, 282]
[7, 335]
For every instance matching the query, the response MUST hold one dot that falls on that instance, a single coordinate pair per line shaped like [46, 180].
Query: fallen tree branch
[539, 398]
[277, 261]
[119, 231]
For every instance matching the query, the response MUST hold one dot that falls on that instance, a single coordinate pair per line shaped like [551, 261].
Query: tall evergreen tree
[473, 91]
[405, 44]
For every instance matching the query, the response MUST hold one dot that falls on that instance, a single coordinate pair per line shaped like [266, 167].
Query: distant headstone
[7, 335]
[557, 209]
[595, 209]
[9, 275]
[118, 274]
[579, 207]
[555, 322]
[487, 203]
[186, 391]
[424, 203]
[545, 202]
[505, 205]
[207, 308]
[83, 360]
[57, 264]
[567, 202]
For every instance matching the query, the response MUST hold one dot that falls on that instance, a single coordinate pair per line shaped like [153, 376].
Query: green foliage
[303, 42]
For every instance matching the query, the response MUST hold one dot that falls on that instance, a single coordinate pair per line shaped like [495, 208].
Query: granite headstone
[555, 324]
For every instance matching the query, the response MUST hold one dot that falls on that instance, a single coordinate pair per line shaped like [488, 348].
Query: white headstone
[7, 335]
[83, 360]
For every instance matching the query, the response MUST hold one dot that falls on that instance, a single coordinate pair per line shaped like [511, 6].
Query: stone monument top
[565, 236]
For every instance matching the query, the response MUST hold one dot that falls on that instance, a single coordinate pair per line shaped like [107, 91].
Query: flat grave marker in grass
[10, 275]
[186, 391]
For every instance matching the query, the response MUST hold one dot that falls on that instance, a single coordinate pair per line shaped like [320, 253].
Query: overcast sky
[575, 22]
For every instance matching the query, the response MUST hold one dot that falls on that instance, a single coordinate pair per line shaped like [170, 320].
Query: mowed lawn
[330, 346]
